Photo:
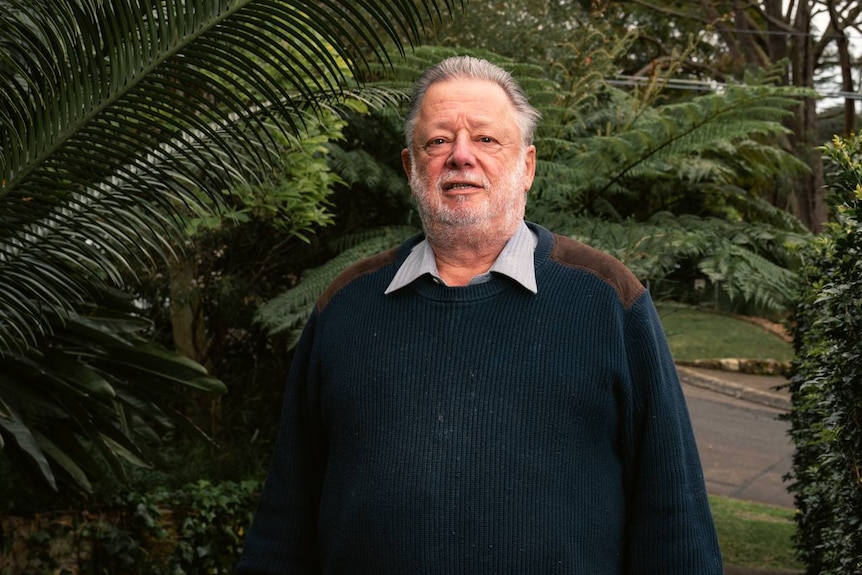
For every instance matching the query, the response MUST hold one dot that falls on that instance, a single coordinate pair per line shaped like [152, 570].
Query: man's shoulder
[577, 255]
[355, 271]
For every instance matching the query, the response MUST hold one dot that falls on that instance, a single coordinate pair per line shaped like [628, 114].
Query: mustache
[448, 181]
[452, 179]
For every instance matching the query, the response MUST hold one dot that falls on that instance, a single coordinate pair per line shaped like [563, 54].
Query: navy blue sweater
[485, 430]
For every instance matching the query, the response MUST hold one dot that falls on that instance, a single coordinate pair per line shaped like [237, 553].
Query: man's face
[469, 167]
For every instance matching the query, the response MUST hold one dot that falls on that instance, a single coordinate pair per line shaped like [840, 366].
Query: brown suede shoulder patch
[358, 269]
[574, 254]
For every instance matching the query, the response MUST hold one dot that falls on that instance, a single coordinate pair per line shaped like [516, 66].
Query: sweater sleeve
[283, 536]
[670, 530]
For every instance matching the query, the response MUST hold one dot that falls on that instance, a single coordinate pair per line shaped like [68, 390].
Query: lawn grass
[702, 334]
[754, 535]
[750, 534]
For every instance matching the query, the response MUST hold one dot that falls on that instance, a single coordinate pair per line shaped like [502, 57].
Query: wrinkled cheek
[427, 198]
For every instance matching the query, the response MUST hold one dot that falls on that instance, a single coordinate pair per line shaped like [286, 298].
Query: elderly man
[489, 397]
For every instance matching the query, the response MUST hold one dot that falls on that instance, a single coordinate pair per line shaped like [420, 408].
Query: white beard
[493, 220]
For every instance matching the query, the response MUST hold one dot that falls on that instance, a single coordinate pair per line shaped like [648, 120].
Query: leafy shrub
[826, 416]
[195, 529]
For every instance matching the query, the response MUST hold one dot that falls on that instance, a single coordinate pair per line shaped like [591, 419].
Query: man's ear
[530, 171]
[405, 161]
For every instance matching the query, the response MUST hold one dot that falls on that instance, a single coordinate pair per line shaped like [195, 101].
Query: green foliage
[749, 262]
[294, 196]
[368, 160]
[118, 121]
[196, 529]
[614, 153]
[287, 313]
[95, 392]
[107, 137]
[708, 160]
[524, 30]
[247, 253]
[645, 159]
[578, 50]
[826, 416]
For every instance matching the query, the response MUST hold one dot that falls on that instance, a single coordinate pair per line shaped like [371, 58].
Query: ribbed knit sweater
[485, 430]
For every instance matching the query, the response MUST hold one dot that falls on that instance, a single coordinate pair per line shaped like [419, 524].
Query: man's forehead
[466, 88]
[481, 101]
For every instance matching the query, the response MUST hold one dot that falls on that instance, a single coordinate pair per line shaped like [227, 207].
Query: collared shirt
[515, 261]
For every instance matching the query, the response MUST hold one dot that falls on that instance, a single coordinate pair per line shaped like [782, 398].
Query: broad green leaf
[25, 440]
[79, 477]
[77, 373]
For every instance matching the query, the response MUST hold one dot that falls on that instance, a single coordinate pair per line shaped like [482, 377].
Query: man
[489, 398]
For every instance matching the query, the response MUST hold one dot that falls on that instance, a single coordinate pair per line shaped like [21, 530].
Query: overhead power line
[796, 33]
[701, 86]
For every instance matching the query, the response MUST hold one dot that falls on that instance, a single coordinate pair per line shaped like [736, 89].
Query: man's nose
[462, 152]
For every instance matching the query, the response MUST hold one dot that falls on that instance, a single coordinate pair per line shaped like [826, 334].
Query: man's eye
[486, 139]
[437, 146]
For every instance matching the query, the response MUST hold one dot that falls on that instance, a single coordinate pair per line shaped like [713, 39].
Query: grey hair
[468, 67]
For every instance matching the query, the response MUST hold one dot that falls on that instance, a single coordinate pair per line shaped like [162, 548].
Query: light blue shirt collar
[515, 261]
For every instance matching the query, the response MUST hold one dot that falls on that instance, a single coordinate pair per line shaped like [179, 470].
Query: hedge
[826, 379]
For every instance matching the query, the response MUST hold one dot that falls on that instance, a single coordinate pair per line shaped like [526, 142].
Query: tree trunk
[187, 322]
[847, 84]
[810, 190]
[188, 326]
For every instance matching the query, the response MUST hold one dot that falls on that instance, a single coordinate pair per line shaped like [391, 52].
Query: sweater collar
[515, 261]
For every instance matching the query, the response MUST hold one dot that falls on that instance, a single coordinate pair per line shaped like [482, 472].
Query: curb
[736, 390]
[741, 365]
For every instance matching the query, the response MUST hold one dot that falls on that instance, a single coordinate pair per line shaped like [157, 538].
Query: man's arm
[670, 530]
[282, 539]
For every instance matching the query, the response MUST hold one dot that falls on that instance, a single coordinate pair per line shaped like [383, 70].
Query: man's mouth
[456, 186]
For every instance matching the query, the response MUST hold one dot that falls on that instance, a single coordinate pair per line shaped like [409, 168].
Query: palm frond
[119, 116]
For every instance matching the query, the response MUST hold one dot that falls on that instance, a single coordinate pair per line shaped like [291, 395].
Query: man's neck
[463, 255]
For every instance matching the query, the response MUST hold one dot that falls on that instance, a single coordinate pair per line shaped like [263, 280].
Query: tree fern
[359, 167]
[730, 136]
[288, 312]
[750, 263]
[744, 275]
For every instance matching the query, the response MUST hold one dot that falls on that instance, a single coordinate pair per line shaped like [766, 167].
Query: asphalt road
[744, 448]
